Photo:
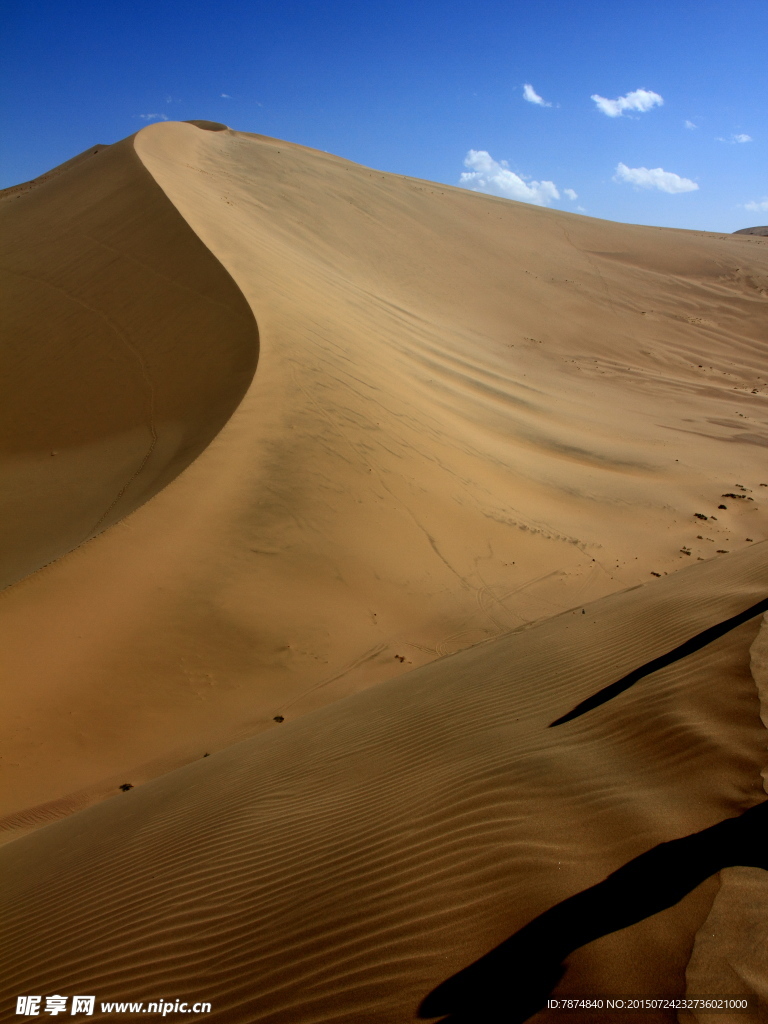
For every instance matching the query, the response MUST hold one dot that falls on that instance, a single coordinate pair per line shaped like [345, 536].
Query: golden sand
[477, 474]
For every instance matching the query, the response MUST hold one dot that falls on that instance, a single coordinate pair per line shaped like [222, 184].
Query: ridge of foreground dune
[339, 868]
[469, 414]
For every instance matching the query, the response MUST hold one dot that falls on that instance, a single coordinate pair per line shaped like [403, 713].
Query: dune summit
[357, 482]
[127, 348]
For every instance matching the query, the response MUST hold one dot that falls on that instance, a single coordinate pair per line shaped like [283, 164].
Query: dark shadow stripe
[694, 644]
[511, 983]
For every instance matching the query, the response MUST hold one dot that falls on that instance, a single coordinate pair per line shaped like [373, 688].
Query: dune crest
[127, 346]
[469, 415]
[423, 681]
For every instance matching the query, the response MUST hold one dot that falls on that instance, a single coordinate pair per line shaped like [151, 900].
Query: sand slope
[126, 347]
[337, 868]
[731, 947]
[469, 414]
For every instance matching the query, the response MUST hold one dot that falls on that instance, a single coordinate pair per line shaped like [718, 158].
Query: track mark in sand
[432, 542]
[486, 594]
[486, 598]
[349, 667]
[682, 651]
[587, 254]
[463, 639]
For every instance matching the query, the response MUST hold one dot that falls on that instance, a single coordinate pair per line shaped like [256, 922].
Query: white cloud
[486, 175]
[664, 181]
[226, 96]
[570, 193]
[153, 117]
[691, 125]
[735, 138]
[640, 100]
[759, 207]
[530, 94]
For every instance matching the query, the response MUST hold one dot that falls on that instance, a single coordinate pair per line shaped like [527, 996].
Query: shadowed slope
[469, 414]
[126, 346]
[513, 981]
[729, 954]
[338, 868]
[683, 651]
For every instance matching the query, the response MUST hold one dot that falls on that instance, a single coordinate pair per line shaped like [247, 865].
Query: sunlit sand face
[471, 422]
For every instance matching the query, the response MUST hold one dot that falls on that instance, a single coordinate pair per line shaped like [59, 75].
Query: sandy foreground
[355, 483]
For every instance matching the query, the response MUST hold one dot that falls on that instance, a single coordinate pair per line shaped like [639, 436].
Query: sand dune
[127, 348]
[469, 414]
[729, 951]
[493, 458]
[338, 868]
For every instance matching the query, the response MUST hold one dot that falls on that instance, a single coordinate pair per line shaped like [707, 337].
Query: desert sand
[328, 491]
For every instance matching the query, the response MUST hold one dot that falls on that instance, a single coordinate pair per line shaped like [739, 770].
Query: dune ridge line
[114, 311]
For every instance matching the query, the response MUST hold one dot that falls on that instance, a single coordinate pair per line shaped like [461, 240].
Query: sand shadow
[702, 639]
[513, 981]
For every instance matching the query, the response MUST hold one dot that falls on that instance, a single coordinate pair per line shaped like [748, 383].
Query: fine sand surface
[355, 482]
[340, 867]
[126, 348]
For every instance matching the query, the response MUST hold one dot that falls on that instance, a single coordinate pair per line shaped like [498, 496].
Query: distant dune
[356, 482]
[753, 231]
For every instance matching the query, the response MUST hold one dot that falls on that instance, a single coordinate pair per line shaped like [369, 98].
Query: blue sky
[678, 134]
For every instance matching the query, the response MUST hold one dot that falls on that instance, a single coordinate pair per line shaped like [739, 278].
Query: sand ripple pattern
[336, 868]
[729, 952]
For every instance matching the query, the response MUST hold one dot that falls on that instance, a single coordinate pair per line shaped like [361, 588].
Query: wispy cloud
[664, 181]
[530, 94]
[640, 100]
[226, 96]
[153, 117]
[735, 138]
[487, 175]
[761, 206]
[570, 193]
[691, 125]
